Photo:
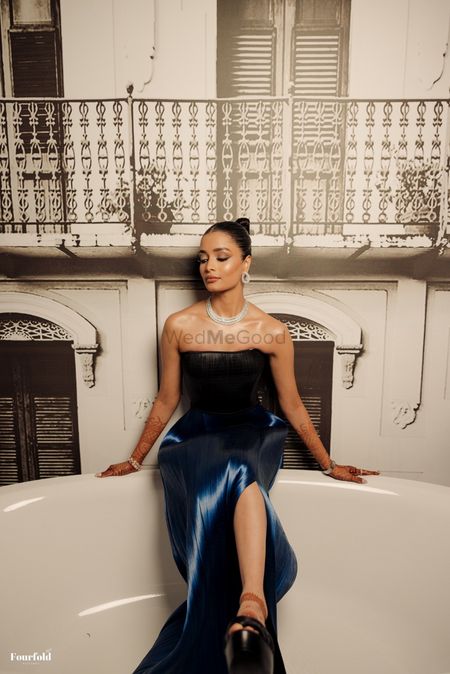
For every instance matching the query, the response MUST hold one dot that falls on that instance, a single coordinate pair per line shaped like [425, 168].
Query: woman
[218, 463]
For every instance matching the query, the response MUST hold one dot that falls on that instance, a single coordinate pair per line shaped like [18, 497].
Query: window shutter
[9, 470]
[38, 411]
[313, 363]
[251, 63]
[34, 73]
[296, 455]
[34, 63]
[316, 73]
[54, 436]
[316, 63]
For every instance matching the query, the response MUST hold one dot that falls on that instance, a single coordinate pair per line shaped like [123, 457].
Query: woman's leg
[250, 526]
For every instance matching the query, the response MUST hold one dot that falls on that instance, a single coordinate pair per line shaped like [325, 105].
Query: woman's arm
[282, 367]
[164, 404]
[168, 396]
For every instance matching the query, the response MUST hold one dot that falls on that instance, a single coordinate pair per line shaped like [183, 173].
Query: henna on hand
[116, 469]
[153, 427]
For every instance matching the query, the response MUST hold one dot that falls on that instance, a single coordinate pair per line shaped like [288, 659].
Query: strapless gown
[221, 445]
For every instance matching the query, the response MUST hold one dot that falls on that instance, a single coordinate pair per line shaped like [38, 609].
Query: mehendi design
[153, 427]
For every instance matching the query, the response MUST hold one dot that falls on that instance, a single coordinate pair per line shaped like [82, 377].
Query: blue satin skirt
[206, 461]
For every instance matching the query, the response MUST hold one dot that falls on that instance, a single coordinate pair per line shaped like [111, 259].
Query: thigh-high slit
[207, 460]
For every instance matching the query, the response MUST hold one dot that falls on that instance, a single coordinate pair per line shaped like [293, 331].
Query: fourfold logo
[31, 657]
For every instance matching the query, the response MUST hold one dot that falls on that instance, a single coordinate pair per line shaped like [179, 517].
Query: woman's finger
[105, 473]
[359, 480]
[346, 474]
[361, 471]
[116, 470]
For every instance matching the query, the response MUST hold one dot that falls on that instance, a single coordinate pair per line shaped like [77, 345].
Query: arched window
[38, 401]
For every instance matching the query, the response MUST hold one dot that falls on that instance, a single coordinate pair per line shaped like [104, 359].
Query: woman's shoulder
[269, 323]
[274, 332]
[187, 314]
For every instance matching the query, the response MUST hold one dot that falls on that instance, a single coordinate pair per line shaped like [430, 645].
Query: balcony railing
[292, 165]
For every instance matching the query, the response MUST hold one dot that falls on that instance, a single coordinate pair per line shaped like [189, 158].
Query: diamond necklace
[225, 320]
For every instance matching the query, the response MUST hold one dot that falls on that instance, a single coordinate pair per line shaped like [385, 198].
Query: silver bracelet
[136, 465]
[330, 468]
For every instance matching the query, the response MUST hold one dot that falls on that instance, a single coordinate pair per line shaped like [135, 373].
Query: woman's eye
[202, 260]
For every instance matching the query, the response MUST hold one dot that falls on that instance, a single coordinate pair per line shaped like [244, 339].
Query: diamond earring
[245, 277]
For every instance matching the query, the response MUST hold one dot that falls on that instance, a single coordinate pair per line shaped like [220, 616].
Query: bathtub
[87, 576]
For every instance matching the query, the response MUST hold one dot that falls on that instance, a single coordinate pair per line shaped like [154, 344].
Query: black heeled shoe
[248, 652]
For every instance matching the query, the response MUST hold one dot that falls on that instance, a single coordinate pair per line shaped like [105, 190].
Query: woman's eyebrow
[214, 250]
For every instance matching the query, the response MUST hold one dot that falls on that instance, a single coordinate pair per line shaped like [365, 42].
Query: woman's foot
[252, 606]
[246, 652]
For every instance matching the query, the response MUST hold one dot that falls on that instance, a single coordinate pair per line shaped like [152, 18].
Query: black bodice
[222, 381]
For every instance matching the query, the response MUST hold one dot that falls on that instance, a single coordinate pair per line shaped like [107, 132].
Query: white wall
[166, 48]
[106, 45]
[396, 48]
[185, 57]
[436, 386]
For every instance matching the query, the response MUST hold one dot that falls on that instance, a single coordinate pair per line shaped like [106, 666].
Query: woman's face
[220, 261]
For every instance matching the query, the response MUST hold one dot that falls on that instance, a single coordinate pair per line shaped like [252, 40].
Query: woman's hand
[351, 474]
[117, 469]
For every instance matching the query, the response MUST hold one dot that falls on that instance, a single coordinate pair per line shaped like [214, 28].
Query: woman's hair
[239, 230]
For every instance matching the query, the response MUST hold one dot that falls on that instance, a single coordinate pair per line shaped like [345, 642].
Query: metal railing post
[132, 154]
[288, 168]
[442, 240]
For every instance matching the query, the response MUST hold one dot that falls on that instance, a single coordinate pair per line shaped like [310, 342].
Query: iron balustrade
[294, 166]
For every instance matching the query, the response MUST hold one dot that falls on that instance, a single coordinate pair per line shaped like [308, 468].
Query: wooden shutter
[54, 435]
[320, 57]
[316, 64]
[38, 415]
[313, 362]
[9, 465]
[251, 63]
[316, 73]
[34, 63]
[296, 455]
[246, 39]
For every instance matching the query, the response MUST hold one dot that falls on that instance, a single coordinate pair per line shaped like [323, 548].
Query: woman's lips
[211, 279]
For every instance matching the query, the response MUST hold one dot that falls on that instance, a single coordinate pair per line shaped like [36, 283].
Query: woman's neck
[227, 304]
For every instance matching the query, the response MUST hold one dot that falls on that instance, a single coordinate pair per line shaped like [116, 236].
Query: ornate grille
[30, 328]
[307, 330]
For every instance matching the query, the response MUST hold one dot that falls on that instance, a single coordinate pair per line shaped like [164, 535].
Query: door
[38, 412]
[295, 48]
[32, 67]
[279, 47]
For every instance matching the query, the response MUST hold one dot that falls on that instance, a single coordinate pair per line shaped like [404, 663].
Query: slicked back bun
[238, 230]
